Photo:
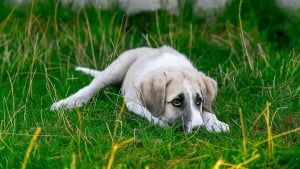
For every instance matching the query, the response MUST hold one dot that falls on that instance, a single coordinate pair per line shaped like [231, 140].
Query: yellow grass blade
[269, 132]
[73, 163]
[243, 131]
[243, 41]
[118, 121]
[240, 165]
[279, 135]
[221, 162]
[34, 138]
[114, 149]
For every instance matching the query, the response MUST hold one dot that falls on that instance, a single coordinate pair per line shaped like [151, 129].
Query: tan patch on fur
[163, 86]
[153, 91]
[209, 89]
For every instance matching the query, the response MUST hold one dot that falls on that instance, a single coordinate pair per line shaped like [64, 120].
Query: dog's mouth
[182, 124]
[177, 127]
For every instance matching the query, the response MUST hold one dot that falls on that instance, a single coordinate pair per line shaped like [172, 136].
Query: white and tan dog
[160, 85]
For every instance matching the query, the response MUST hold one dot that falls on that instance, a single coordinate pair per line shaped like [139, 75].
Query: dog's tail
[91, 72]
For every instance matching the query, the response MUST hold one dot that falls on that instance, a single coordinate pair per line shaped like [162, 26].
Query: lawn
[252, 51]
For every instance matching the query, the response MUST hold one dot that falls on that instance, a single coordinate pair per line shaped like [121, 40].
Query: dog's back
[135, 61]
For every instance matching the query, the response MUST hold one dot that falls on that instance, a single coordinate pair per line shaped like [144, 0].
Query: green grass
[40, 44]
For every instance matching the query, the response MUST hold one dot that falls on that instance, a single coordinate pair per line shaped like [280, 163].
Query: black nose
[188, 129]
[184, 123]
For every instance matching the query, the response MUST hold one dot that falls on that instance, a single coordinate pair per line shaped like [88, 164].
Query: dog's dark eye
[177, 102]
[198, 100]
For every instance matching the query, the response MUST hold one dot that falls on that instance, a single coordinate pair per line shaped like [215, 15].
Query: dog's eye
[198, 101]
[177, 102]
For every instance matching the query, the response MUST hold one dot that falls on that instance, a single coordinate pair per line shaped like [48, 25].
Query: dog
[158, 84]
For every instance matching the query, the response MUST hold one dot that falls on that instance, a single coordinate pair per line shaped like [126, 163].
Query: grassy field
[254, 55]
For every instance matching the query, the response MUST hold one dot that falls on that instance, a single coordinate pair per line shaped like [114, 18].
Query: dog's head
[179, 96]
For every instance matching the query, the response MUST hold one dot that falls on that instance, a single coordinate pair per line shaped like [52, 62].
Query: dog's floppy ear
[209, 90]
[153, 93]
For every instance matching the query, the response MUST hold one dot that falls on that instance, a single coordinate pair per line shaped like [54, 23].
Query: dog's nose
[188, 129]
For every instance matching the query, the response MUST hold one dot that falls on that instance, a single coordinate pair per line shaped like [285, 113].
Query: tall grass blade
[33, 140]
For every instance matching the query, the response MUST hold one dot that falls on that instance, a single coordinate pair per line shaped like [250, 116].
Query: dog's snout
[195, 121]
[193, 124]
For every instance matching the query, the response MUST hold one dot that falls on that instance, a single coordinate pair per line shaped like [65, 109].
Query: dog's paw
[70, 103]
[216, 126]
[212, 124]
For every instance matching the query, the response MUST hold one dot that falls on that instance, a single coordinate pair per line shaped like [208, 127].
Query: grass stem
[243, 132]
[243, 41]
[33, 140]
[115, 147]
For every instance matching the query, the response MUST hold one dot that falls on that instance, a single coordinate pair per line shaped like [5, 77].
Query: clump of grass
[42, 43]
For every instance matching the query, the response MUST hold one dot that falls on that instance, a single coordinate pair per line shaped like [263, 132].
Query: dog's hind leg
[113, 74]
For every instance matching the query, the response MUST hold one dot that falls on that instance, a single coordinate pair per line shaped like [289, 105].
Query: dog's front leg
[144, 113]
[212, 124]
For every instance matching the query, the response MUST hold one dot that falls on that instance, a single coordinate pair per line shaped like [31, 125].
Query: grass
[40, 44]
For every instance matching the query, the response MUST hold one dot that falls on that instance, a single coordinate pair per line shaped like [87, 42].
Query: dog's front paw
[212, 124]
[216, 126]
[70, 103]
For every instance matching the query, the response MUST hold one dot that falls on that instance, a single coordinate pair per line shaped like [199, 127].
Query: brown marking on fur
[152, 93]
[209, 90]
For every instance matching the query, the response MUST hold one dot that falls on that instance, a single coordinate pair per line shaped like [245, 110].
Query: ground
[251, 50]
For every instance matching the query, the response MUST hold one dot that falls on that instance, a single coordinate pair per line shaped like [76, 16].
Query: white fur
[166, 59]
[88, 71]
[144, 113]
[197, 120]
[211, 123]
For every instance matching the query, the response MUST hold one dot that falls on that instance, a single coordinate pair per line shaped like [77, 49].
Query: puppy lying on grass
[160, 85]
